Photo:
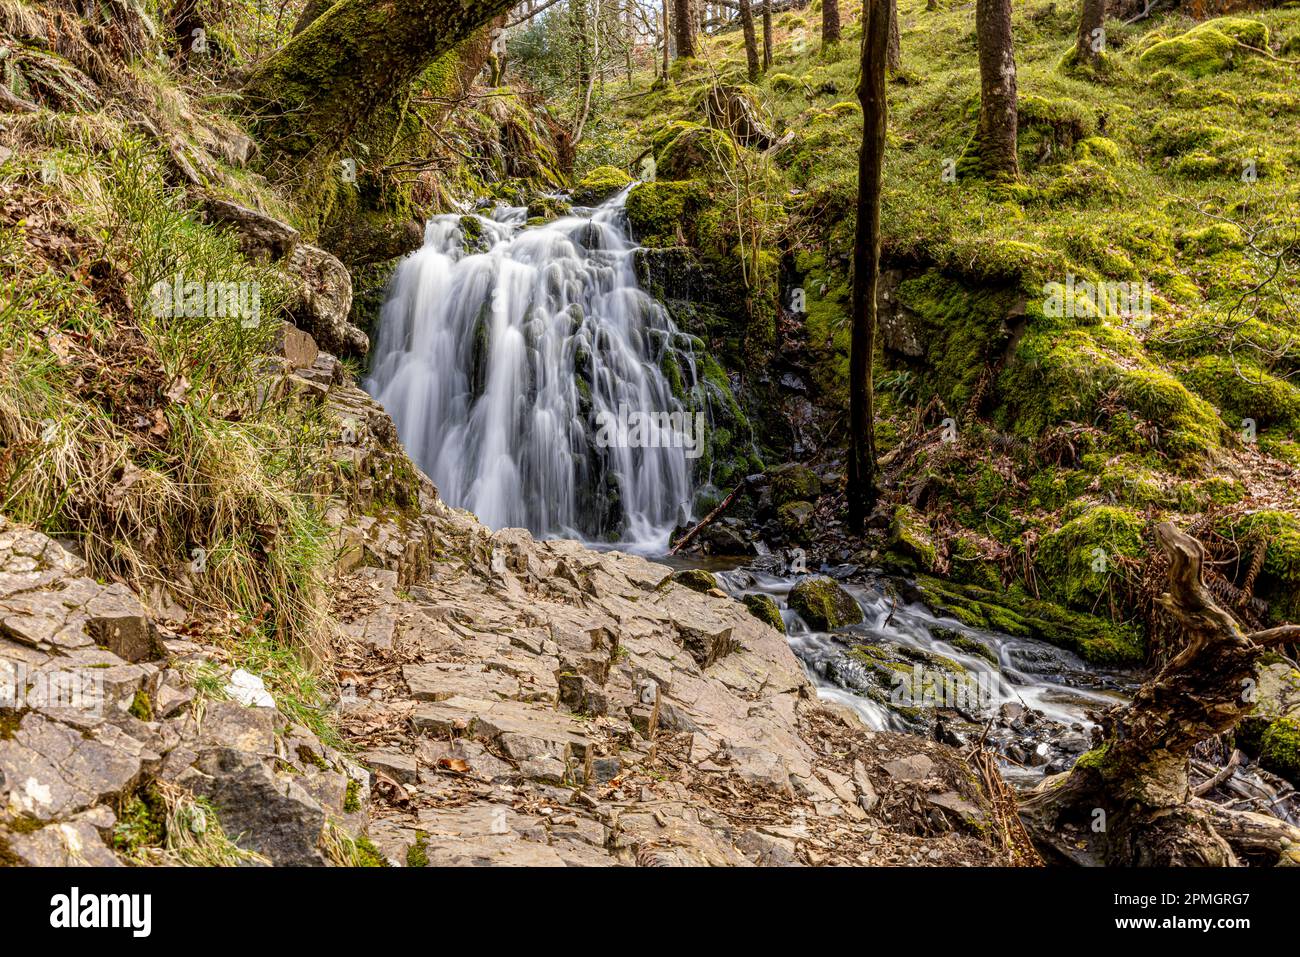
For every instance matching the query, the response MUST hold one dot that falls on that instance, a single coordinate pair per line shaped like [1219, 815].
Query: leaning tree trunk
[684, 23]
[1128, 802]
[1091, 42]
[751, 44]
[866, 262]
[830, 22]
[355, 60]
[996, 132]
[767, 34]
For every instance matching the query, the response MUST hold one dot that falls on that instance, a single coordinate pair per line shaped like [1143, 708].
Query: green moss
[696, 579]
[141, 823]
[1279, 748]
[823, 604]
[1080, 562]
[599, 185]
[141, 706]
[1279, 580]
[694, 150]
[782, 82]
[663, 212]
[910, 533]
[796, 520]
[1208, 48]
[1244, 391]
[367, 855]
[765, 609]
[418, 853]
[352, 799]
[793, 482]
[1213, 239]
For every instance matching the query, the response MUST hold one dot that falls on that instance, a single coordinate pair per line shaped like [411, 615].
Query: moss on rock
[765, 609]
[1208, 48]
[823, 604]
[696, 579]
[599, 185]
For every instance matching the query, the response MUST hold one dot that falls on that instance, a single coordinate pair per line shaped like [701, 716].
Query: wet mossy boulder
[696, 579]
[600, 184]
[1279, 748]
[823, 604]
[765, 609]
[1208, 48]
[793, 482]
[663, 213]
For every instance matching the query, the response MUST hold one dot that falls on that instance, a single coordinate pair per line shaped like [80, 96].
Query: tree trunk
[1128, 802]
[1092, 34]
[751, 44]
[831, 22]
[667, 42]
[866, 262]
[685, 25]
[895, 58]
[996, 133]
[767, 34]
[356, 60]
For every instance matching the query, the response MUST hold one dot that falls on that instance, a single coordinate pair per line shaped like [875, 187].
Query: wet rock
[793, 482]
[823, 604]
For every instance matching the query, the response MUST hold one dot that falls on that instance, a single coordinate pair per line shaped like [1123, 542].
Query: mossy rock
[696, 150]
[1078, 562]
[1208, 48]
[823, 604]
[782, 82]
[696, 579]
[765, 609]
[909, 533]
[600, 184]
[663, 213]
[1213, 239]
[793, 482]
[1279, 748]
[796, 520]
[1244, 391]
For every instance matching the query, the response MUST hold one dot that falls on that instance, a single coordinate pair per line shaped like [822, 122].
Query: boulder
[823, 604]
[324, 300]
[765, 609]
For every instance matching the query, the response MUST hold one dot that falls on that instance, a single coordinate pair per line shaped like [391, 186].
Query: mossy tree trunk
[1128, 802]
[830, 22]
[866, 262]
[355, 60]
[996, 133]
[1091, 42]
[751, 43]
[684, 24]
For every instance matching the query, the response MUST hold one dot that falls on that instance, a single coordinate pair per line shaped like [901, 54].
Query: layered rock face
[503, 701]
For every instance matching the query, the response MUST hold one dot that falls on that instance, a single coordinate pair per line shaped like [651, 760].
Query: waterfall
[525, 370]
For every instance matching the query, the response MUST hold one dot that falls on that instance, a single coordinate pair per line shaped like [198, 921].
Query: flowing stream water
[501, 351]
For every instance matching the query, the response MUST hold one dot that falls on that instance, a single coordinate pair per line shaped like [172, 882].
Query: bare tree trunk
[996, 132]
[1128, 802]
[830, 22]
[866, 262]
[751, 44]
[667, 41]
[895, 58]
[685, 24]
[767, 35]
[1092, 33]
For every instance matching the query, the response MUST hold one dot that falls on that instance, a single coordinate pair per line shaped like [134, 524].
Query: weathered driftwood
[1129, 802]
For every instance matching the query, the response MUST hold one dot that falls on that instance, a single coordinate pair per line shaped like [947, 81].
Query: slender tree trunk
[996, 133]
[895, 58]
[830, 22]
[866, 262]
[767, 35]
[685, 25]
[357, 59]
[751, 44]
[1092, 32]
[667, 27]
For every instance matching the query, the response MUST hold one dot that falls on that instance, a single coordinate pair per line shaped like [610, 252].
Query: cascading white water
[526, 379]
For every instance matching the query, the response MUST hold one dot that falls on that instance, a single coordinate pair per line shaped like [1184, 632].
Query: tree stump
[1128, 801]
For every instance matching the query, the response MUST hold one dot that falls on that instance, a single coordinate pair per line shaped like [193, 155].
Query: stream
[500, 350]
